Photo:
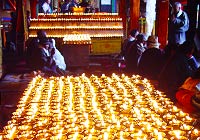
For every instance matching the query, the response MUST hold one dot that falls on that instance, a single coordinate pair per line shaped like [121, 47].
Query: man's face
[176, 8]
[46, 46]
[137, 33]
[48, 1]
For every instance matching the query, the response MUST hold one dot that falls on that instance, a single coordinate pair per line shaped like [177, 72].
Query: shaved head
[177, 7]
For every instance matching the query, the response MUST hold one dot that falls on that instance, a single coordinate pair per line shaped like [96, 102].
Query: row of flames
[97, 107]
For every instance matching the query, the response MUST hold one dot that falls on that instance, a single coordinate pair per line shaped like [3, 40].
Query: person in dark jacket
[32, 44]
[152, 59]
[176, 70]
[128, 41]
[44, 59]
[134, 53]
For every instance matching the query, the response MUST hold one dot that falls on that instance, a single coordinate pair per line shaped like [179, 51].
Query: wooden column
[192, 14]
[134, 14]
[33, 6]
[21, 29]
[162, 22]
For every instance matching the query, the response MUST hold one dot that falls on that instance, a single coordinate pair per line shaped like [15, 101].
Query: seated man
[32, 45]
[44, 60]
[152, 59]
[134, 53]
[177, 69]
[128, 41]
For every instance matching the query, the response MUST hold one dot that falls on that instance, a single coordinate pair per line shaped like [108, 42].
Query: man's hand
[173, 17]
[53, 51]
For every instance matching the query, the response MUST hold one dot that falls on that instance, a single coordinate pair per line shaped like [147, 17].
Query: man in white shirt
[46, 8]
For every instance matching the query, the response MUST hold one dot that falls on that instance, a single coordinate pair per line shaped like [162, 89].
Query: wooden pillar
[162, 22]
[192, 14]
[21, 28]
[33, 6]
[134, 14]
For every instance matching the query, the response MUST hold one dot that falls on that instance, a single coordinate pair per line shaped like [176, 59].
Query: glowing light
[95, 107]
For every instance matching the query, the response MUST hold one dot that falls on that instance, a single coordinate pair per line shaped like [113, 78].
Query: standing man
[46, 8]
[178, 25]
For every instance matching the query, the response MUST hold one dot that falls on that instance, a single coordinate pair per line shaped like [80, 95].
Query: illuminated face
[48, 1]
[137, 33]
[46, 46]
[177, 8]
